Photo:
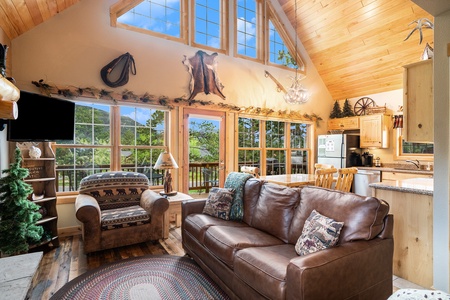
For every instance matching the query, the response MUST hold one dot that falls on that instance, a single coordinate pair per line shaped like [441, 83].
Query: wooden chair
[322, 166]
[324, 177]
[345, 179]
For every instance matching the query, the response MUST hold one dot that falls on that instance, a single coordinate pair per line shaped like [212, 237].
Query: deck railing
[202, 175]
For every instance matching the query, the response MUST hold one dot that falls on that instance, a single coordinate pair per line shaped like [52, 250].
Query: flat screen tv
[42, 118]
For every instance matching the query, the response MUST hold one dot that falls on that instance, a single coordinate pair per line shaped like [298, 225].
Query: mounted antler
[423, 22]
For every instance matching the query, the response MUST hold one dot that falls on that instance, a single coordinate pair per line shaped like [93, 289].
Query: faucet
[416, 162]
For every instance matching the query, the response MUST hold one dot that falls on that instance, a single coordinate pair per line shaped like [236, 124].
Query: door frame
[188, 112]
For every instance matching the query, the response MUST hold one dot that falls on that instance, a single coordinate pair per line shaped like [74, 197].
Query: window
[406, 150]
[275, 147]
[209, 29]
[162, 18]
[97, 147]
[248, 28]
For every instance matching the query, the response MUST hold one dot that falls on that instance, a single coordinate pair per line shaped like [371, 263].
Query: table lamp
[166, 162]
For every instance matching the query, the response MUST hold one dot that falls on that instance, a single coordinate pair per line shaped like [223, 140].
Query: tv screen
[42, 118]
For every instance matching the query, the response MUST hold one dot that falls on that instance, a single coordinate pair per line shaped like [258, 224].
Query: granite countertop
[398, 170]
[423, 186]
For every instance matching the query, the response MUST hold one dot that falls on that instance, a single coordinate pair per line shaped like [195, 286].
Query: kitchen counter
[423, 186]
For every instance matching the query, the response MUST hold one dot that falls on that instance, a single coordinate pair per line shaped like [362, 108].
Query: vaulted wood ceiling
[357, 46]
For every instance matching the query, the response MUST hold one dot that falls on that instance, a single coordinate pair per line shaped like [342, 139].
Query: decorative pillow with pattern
[319, 232]
[219, 202]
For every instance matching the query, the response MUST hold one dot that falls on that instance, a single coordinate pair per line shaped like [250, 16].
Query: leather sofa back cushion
[275, 209]
[362, 216]
[252, 189]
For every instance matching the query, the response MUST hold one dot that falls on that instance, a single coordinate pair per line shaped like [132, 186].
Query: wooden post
[8, 110]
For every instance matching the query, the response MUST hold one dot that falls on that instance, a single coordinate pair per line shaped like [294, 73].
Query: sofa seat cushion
[224, 241]
[265, 268]
[197, 224]
[124, 217]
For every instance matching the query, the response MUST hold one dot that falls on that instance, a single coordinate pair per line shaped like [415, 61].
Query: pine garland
[18, 215]
[127, 96]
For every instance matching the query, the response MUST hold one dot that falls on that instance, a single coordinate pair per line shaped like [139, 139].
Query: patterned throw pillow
[319, 232]
[218, 203]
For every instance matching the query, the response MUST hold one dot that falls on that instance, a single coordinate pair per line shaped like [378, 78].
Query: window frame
[115, 136]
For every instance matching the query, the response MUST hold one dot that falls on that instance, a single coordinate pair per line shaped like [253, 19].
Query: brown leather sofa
[256, 258]
[117, 209]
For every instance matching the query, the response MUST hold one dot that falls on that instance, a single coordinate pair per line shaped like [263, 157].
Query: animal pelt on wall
[204, 77]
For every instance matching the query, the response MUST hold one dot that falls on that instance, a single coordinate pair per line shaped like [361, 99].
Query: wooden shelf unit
[42, 178]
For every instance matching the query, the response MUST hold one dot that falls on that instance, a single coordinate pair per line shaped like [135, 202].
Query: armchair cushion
[124, 217]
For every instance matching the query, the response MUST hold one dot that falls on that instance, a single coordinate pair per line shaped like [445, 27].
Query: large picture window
[276, 147]
[111, 138]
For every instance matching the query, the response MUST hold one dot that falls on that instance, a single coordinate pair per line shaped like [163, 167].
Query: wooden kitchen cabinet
[374, 131]
[401, 175]
[349, 123]
[418, 102]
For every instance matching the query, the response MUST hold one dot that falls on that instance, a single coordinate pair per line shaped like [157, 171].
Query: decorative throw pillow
[218, 203]
[319, 232]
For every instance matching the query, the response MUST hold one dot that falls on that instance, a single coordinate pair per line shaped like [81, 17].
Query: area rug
[146, 277]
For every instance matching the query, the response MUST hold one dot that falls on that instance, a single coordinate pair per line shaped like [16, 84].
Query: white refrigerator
[335, 149]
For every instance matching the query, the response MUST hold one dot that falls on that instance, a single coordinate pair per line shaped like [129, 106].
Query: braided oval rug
[148, 277]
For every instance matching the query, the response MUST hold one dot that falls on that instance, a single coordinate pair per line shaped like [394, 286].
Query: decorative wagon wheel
[362, 104]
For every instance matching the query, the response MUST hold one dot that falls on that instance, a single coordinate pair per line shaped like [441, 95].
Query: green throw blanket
[236, 181]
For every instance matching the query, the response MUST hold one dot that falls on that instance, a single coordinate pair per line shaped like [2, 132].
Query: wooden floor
[63, 264]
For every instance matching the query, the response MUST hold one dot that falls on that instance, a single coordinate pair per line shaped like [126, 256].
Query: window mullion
[115, 138]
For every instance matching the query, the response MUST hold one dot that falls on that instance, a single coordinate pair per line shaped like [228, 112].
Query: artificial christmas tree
[347, 110]
[18, 215]
[336, 112]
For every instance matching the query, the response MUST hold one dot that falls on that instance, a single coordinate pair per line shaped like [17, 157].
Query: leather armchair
[117, 209]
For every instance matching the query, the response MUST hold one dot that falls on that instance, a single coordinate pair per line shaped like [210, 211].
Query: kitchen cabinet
[413, 231]
[418, 102]
[42, 178]
[349, 123]
[374, 131]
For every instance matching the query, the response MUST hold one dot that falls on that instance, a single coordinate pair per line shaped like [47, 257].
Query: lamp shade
[165, 161]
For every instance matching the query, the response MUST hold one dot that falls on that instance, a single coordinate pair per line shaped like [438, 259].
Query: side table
[174, 209]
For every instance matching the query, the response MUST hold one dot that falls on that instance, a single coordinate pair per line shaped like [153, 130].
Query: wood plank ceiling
[357, 46]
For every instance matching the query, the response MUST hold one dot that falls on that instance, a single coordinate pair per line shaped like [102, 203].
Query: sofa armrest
[154, 203]
[192, 207]
[87, 209]
[349, 269]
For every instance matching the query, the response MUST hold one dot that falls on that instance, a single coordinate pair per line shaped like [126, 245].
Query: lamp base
[172, 193]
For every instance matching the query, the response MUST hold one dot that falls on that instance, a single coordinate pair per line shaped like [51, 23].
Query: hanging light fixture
[297, 93]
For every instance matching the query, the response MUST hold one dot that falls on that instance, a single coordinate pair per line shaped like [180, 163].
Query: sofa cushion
[218, 203]
[124, 217]
[224, 241]
[318, 233]
[265, 268]
[275, 209]
[197, 224]
[363, 216]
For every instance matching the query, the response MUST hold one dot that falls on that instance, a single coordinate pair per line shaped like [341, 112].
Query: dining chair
[322, 166]
[345, 179]
[324, 177]
[250, 170]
